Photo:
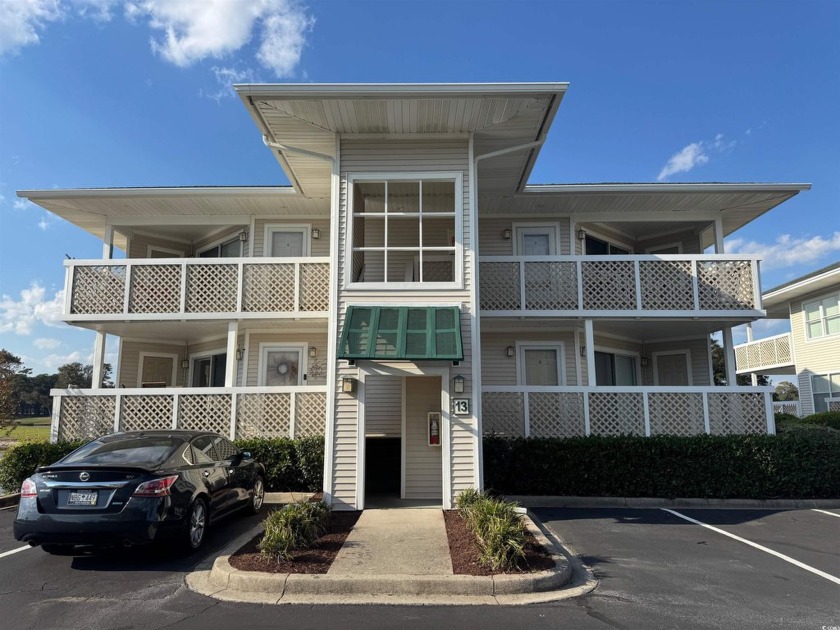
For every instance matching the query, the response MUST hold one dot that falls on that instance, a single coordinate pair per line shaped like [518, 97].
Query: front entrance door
[672, 369]
[157, 370]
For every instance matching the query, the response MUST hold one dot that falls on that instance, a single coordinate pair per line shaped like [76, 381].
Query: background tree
[786, 391]
[11, 369]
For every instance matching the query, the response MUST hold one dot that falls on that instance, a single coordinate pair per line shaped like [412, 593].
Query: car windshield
[145, 451]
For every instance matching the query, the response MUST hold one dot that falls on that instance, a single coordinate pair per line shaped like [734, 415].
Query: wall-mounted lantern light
[313, 352]
[348, 384]
[185, 364]
[581, 234]
[458, 384]
[644, 361]
[240, 352]
[316, 233]
[509, 351]
[583, 351]
[243, 235]
[507, 234]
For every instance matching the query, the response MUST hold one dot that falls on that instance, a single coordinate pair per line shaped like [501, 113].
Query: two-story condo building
[411, 292]
[811, 350]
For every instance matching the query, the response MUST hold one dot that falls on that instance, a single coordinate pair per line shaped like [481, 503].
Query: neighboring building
[411, 292]
[811, 350]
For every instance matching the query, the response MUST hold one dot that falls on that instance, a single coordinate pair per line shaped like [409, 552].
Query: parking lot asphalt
[655, 570]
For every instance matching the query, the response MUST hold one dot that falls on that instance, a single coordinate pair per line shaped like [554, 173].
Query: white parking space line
[825, 512]
[19, 549]
[794, 562]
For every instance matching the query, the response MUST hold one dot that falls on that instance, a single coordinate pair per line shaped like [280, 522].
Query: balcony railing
[788, 406]
[196, 288]
[620, 286]
[770, 352]
[238, 412]
[574, 411]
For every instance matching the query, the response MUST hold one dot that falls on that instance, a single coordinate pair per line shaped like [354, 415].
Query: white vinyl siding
[383, 402]
[140, 243]
[423, 463]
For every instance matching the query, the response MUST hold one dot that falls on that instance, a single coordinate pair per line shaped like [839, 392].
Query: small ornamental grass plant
[497, 526]
[294, 526]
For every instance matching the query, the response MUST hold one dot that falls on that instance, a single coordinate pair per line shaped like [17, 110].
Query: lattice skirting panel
[500, 286]
[146, 413]
[211, 288]
[676, 414]
[204, 412]
[666, 285]
[269, 288]
[609, 285]
[556, 414]
[86, 417]
[262, 415]
[98, 289]
[725, 285]
[310, 414]
[503, 413]
[155, 289]
[616, 413]
[551, 286]
[737, 413]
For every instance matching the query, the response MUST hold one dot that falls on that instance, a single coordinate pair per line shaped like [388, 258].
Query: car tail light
[155, 487]
[28, 489]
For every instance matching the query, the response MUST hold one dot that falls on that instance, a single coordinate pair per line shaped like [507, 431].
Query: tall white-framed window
[207, 368]
[157, 368]
[535, 240]
[284, 240]
[155, 251]
[823, 387]
[597, 245]
[282, 364]
[614, 367]
[672, 367]
[540, 363]
[670, 248]
[822, 316]
[405, 231]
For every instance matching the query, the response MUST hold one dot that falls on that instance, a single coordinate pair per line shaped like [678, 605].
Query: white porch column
[729, 355]
[108, 243]
[231, 363]
[753, 375]
[98, 360]
[590, 352]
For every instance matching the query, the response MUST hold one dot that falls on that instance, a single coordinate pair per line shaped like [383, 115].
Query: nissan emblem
[84, 476]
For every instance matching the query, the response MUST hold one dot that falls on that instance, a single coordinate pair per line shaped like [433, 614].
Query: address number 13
[461, 406]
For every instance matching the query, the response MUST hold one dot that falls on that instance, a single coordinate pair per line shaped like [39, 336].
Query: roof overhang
[776, 301]
[167, 209]
[301, 122]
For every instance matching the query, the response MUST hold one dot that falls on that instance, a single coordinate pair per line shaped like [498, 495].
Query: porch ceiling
[180, 332]
[172, 211]
[309, 117]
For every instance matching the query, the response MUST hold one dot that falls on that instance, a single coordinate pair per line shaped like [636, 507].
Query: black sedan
[136, 487]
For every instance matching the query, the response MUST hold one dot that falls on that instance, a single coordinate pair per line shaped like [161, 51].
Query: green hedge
[800, 465]
[290, 465]
[829, 419]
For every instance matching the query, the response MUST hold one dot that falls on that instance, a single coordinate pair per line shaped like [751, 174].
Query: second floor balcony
[771, 353]
[196, 288]
[701, 286]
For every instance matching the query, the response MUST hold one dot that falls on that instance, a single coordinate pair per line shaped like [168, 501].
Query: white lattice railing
[770, 352]
[238, 412]
[620, 286]
[788, 406]
[195, 288]
[572, 411]
[833, 404]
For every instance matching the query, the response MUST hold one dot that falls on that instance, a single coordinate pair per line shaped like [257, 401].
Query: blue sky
[117, 93]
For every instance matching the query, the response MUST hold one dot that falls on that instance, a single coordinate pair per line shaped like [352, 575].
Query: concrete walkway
[387, 542]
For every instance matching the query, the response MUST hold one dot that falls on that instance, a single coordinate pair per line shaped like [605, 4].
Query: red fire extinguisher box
[434, 428]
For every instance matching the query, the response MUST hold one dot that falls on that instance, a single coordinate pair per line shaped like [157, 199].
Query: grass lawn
[32, 433]
[31, 422]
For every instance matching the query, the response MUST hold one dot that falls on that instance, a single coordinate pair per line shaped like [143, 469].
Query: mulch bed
[465, 554]
[315, 560]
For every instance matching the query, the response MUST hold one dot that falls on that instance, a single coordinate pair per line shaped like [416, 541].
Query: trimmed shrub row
[498, 528]
[290, 465]
[292, 527]
[800, 465]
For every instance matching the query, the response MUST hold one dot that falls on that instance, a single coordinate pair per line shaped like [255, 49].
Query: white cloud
[193, 31]
[33, 307]
[21, 204]
[761, 328]
[694, 154]
[226, 77]
[96, 10]
[787, 250]
[43, 343]
[53, 361]
[21, 21]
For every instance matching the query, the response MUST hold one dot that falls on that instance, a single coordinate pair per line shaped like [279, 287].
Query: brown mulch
[465, 554]
[315, 560]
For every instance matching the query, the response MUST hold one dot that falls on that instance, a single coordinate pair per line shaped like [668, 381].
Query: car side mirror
[246, 455]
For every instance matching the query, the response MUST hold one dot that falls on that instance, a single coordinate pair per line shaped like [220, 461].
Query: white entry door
[157, 370]
[287, 244]
[672, 369]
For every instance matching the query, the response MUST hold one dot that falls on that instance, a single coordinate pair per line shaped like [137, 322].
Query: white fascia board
[378, 90]
[816, 283]
[192, 191]
[663, 188]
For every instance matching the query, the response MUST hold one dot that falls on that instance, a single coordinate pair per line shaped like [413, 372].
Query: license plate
[82, 498]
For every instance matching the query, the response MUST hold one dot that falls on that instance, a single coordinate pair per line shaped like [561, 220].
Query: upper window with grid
[404, 231]
[822, 317]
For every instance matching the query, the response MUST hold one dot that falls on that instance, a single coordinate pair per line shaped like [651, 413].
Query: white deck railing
[574, 411]
[195, 288]
[787, 406]
[715, 285]
[239, 412]
[770, 352]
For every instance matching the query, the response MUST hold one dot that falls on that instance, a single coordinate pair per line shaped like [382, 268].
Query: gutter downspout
[287, 149]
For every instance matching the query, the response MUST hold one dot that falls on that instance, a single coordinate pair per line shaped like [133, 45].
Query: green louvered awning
[402, 332]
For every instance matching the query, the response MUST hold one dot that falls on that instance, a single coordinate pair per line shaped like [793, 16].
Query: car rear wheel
[196, 525]
[256, 503]
[57, 550]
